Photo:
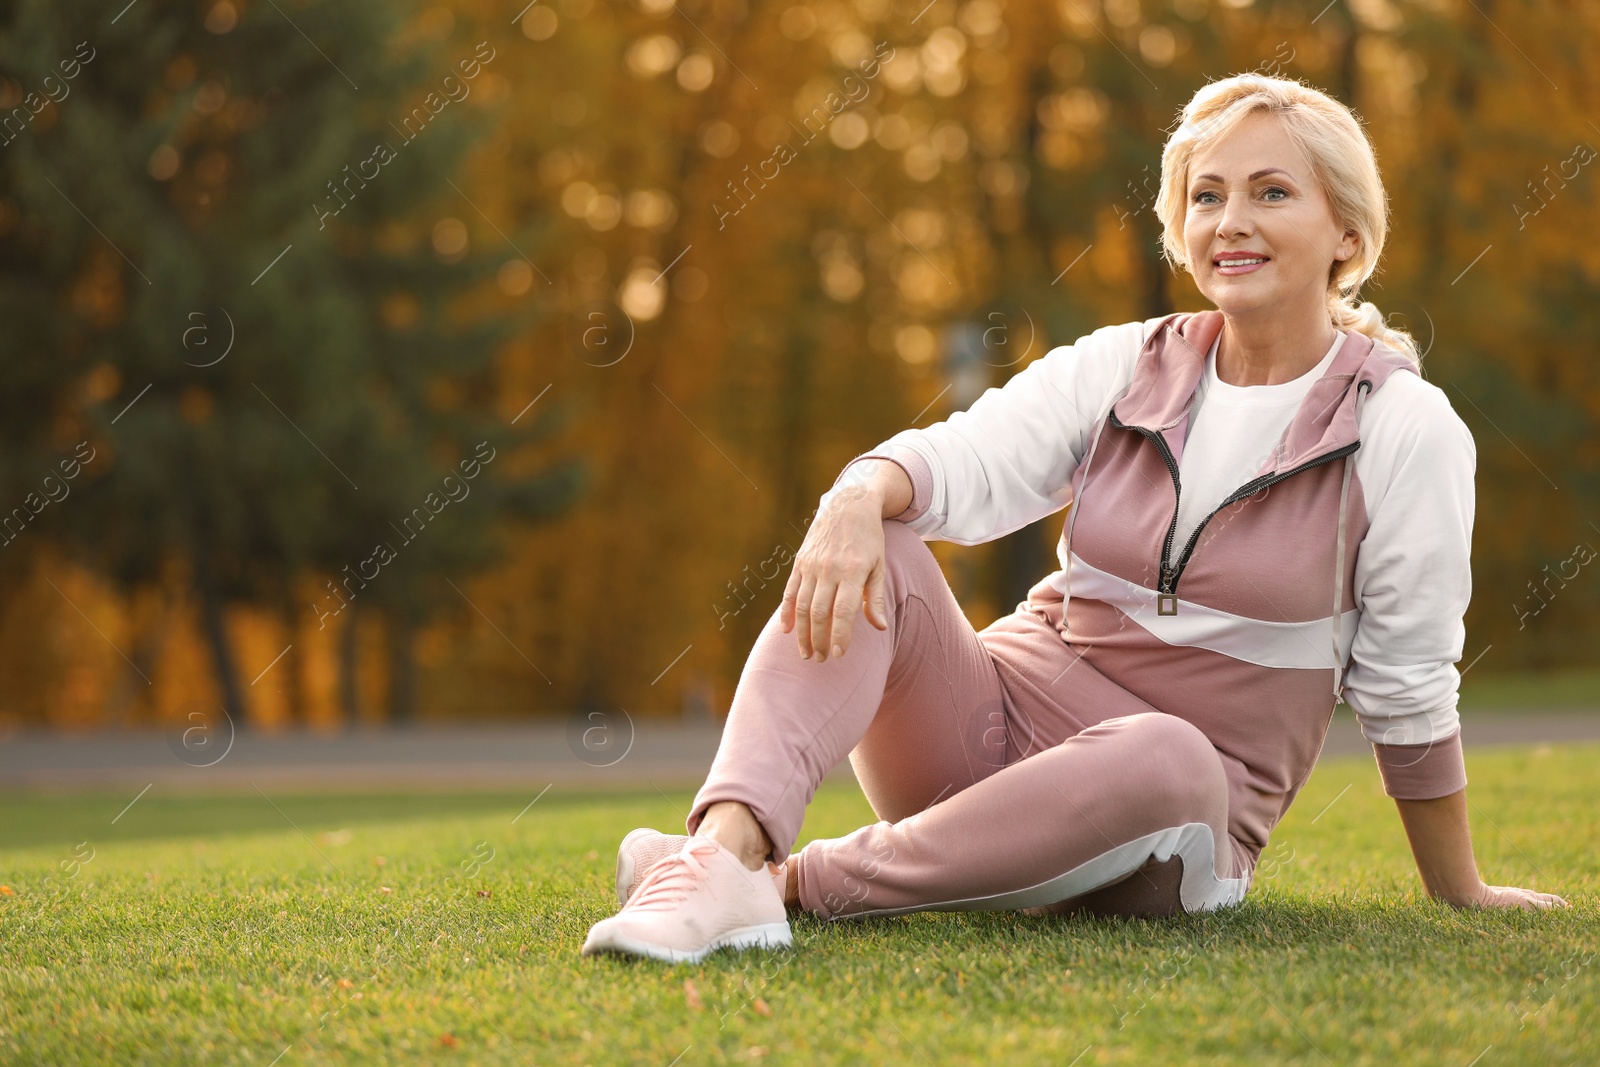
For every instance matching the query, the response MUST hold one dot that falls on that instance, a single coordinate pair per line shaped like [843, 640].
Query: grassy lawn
[1530, 690]
[446, 929]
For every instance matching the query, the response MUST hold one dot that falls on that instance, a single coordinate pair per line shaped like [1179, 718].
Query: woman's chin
[1241, 301]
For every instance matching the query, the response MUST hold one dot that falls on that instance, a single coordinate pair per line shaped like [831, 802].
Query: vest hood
[1169, 367]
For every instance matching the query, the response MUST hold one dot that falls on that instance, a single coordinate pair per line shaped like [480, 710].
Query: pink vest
[1244, 630]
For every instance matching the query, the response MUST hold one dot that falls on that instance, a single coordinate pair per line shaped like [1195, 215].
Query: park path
[597, 753]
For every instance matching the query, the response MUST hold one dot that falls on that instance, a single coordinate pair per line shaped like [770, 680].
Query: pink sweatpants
[1006, 770]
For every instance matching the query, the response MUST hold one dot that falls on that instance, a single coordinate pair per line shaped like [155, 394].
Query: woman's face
[1259, 231]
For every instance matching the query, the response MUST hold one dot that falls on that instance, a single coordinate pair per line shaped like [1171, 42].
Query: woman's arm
[873, 478]
[1442, 845]
[1413, 583]
[1008, 459]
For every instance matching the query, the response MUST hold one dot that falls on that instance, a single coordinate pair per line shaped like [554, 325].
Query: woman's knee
[900, 541]
[1175, 763]
[908, 562]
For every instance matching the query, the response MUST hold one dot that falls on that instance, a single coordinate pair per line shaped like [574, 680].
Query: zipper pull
[1166, 599]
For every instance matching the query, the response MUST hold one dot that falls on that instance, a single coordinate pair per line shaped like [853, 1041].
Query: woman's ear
[1349, 244]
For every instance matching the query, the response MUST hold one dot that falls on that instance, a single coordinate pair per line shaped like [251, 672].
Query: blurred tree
[296, 378]
[721, 323]
[1485, 269]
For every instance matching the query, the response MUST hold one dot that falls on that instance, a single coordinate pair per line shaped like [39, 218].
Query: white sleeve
[1008, 460]
[1413, 576]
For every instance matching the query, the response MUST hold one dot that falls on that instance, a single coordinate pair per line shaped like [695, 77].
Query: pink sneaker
[693, 902]
[640, 851]
[644, 848]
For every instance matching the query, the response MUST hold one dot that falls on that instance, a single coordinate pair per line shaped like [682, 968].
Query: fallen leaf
[486, 892]
[345, 983]
[593, 855]
[379, 861]
[447, 1040]
[762, 1008]
[691, 996]
[7, 891]
[385, 889]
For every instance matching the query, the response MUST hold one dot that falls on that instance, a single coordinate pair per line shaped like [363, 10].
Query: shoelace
[671, 879]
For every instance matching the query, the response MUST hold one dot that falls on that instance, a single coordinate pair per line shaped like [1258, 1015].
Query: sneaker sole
[767, 935]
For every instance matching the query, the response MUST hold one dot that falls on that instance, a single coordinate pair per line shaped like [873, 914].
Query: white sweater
[1008, 461]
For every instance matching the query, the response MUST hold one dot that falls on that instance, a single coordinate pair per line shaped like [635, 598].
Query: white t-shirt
[1232, 431]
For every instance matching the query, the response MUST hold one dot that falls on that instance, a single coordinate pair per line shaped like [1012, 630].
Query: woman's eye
[1205, 197]
[1274, 192]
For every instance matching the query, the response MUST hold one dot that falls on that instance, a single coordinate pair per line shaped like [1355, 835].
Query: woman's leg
[926, 676]
[1122, 794]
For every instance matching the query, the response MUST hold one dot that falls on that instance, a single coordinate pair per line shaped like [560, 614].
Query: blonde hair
[1341, 158]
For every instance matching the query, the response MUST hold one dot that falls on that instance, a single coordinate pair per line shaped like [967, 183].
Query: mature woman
[1271, 509]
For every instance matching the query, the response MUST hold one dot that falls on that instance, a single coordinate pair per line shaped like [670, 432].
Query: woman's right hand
[841, 556]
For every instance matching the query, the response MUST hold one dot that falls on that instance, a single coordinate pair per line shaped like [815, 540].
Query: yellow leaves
[691, 996]
[653, 55]
[400, 311]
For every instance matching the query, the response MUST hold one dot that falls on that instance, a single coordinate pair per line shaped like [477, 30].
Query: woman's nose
[1236, 219]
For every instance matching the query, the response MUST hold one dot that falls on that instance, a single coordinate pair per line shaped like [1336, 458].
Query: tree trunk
[1021, 559]
[293, 664]
[349, 669]
[792, 500]
[149, 638]
[216, 630]
[1349, 60]
[402, 670]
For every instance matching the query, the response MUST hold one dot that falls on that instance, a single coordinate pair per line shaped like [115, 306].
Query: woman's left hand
[1505, 896]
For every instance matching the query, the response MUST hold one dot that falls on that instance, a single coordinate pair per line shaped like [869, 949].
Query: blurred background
[421, 362]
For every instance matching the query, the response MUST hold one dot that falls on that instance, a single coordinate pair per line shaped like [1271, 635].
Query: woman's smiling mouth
[1237, 262]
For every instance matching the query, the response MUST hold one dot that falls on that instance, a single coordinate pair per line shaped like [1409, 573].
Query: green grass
[211, 930]
[1541, 689]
